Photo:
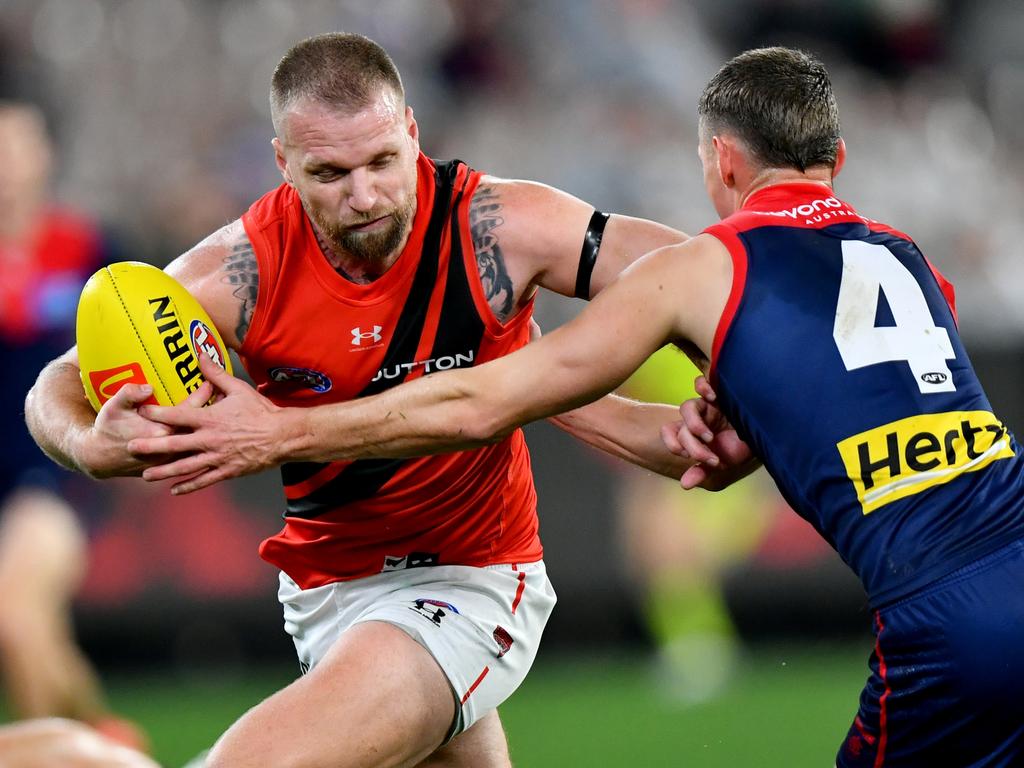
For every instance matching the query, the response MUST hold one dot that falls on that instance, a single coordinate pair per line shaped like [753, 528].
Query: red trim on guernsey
[877, 226]
[882, 714]
[472, 688]
[317, 481]
[947, 289]
[804, 205]
[730, 239]
[519, 589]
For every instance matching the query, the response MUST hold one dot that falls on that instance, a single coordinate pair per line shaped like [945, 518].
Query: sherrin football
[137, 324]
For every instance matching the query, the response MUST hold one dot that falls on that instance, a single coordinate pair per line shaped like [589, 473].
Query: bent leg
[377, 699]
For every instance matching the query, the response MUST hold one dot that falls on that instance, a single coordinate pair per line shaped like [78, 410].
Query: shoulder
[223, 274]
[689, 261]
[689, 281]
[524, 202]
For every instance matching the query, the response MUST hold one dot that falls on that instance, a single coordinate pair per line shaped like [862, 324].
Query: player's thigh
[377, 698]
[481, 746]
[947, 672]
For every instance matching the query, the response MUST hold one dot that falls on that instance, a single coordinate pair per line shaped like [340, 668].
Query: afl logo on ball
[315, 380]
[204, 340]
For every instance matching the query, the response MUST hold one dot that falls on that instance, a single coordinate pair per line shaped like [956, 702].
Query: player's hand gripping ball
[138, 325]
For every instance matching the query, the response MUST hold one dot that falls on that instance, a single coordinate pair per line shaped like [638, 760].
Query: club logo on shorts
[318, 382]
[432, 609]
[503, 639]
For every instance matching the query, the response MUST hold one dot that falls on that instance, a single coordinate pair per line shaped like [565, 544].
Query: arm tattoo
[484, 219]
[242, 271]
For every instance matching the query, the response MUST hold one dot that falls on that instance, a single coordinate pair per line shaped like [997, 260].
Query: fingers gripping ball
[138, 325]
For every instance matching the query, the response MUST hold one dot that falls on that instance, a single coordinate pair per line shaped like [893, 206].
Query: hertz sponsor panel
[905, 457]
[137, 324]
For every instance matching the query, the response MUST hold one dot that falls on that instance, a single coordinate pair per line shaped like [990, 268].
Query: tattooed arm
[221, 273]
[485, 219]
[527, 235]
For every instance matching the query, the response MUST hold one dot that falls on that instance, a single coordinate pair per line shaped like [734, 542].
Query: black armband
[588, 256]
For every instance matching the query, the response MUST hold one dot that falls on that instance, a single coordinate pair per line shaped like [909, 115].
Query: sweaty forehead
[310, 123]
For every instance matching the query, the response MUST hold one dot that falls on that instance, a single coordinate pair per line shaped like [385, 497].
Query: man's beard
[366, 246]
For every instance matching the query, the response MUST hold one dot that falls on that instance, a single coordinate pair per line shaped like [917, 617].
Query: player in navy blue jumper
[832, 345]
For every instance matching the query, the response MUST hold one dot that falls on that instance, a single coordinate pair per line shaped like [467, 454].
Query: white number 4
[869, 269]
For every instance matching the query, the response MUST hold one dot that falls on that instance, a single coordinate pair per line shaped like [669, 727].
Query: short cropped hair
[779, 102]
[340, 69]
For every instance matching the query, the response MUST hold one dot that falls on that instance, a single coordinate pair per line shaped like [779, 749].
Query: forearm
[435, 414]
[58, 414]
[627, 429]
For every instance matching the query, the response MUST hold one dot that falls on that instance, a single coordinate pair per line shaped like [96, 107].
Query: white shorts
[481, 625]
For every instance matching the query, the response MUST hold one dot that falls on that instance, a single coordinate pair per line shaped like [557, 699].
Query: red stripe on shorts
[882, 737]
[519, 589]
[474, 685]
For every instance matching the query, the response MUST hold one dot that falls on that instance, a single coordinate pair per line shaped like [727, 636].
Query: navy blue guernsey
[837, 359]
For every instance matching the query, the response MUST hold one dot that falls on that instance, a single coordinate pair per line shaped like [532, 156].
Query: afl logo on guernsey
[203, 340]
[318, 382]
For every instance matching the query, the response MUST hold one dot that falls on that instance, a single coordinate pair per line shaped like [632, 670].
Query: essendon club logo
[503, 639]
[106, 383]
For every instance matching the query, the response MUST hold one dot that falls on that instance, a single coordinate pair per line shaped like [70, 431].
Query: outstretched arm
[527, 235]
[625, 428]
[628, 429]
[674, 292]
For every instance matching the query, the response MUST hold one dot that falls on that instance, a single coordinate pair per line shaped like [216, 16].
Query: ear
[725, 156]
[412, 128]
[840, 157]
[282, 163]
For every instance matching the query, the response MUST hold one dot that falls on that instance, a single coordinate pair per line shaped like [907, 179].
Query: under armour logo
[358, 334]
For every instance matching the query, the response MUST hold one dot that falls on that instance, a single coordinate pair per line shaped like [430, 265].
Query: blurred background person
[46, 254]
[57, 743]
[679, 546]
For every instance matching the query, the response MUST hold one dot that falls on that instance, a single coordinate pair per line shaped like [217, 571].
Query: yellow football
[137, 324]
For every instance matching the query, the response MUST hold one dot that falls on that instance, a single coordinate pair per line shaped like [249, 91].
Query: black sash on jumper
[460, 329]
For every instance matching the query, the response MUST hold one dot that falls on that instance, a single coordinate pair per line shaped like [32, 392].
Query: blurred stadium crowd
[160, 106]
[159, 109]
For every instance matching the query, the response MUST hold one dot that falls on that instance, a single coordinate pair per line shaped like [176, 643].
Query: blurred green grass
[789, 706]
